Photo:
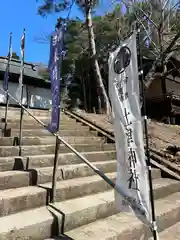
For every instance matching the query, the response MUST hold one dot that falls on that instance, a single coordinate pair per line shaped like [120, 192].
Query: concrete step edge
[6, 151]
[24, 198]
[43, 140]
[44, 132]
[127, 226]
[70, 189]
[35, 176]
[37, 224]
[67, 172]
[49, 145]
[171, 233]
[31, 224]
[33, 126]
[22, 163]
[81, 211]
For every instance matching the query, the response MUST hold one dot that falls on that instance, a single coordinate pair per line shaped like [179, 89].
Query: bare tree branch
[169, 48]
[147, 33]
[164, 56]
[143, 12]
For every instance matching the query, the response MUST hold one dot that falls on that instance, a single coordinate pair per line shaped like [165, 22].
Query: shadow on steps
[62, 237]
[57, 228]
[20, 165]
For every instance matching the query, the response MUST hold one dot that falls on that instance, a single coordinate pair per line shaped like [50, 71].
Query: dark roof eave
[15, 65]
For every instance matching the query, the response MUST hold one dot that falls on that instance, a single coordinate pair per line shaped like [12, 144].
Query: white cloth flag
[19, 89]
[132, 174]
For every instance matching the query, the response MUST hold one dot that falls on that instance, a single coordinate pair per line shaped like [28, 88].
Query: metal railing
[131, 202]
[158, 158]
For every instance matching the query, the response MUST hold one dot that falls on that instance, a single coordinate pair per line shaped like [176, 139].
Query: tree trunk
[92, 46]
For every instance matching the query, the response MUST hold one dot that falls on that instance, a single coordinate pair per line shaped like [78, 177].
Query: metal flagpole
[21, 90]
[154, 225]
[6, 79]
[54, 178]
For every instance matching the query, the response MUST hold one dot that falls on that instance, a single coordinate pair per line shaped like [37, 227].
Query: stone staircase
[84, 207]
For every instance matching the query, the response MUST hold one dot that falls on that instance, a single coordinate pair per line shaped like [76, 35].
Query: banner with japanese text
[56, 47]
[132, 172]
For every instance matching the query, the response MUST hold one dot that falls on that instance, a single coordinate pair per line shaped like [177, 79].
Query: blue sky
[18, 14]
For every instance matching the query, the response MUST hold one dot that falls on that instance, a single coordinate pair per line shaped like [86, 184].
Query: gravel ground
[161, 135]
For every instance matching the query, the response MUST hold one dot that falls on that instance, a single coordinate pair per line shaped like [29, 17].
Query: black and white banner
[132, 173]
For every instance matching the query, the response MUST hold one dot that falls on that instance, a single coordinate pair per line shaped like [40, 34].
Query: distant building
[37, 92]
[163, 93]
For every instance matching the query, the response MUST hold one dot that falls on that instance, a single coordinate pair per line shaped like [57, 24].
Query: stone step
[16, 179]
[35, 224]
[76, 171]
[6, 151]
[33, 132]
[81, 186]
[17, 113]
[127, 226]
[10, 141]
[33, 125]
[87, 209]
[84, 210]
[38, 223]
[22, 163]
[18, 199]
[43, 132]
[16, 117]
[33, 111]
[29, 119]
[171, 233]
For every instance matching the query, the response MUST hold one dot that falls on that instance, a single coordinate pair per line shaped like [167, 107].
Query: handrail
[91, 125]
[155, 154]
[165, 169]
[131, 201]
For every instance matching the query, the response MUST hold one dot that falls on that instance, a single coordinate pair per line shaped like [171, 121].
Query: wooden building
[37, 92]
[163, 95]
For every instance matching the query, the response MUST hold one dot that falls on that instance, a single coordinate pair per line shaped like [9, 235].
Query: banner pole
[6, 113]
[54, 178]
[154, 225]
[57, 146]
[21, 123]
[22, 90]
[7, 84]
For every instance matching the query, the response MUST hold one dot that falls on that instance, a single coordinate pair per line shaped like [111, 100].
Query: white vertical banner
[19, 89]
[132, 172]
